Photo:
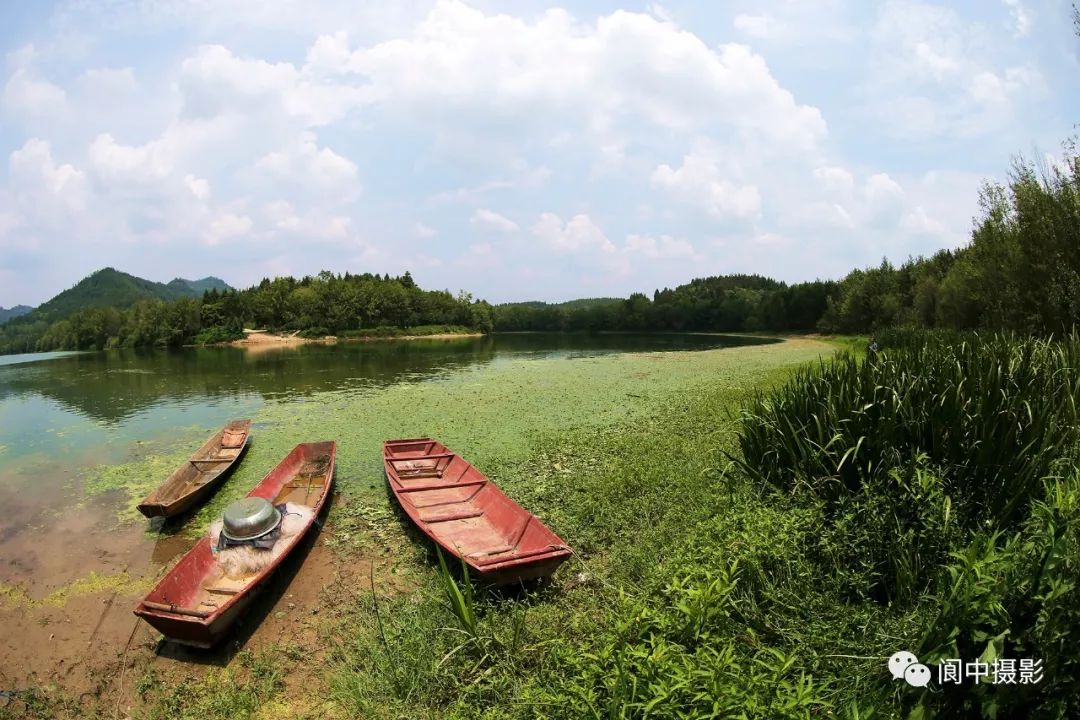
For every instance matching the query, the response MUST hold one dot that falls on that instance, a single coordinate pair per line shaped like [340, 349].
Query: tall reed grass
[944, 468]
[996, 414]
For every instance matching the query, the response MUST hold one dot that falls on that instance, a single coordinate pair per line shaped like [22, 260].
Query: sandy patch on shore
[258, 340]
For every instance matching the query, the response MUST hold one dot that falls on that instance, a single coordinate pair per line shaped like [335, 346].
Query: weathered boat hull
[194, 604]
[468, 516]
[202, 474]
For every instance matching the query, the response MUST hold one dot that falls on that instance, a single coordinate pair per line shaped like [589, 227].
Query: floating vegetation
[14, 596]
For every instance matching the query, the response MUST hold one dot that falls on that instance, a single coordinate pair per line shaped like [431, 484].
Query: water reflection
[134, 395]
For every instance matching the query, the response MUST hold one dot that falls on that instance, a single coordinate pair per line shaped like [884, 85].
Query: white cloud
[113, 161]
[33, 168]
[663, 248]
[424, 232]
[214, 81]
[102, 83]
[758, 26]
[1021, 16]
[306, 165]
[493, 221]
[556, 70]
[199, 187]
[578, 234]
[933, 73]
[27, 95]
[698, 181]
[834, 180]
[227, 226]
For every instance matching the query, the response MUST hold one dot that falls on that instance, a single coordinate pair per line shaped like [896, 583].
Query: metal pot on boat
[249, 518]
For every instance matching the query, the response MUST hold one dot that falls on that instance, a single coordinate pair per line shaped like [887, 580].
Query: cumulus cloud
[556, 70]
[424, 232]
[576, 235]
[305, 164]
[32, 168]
[934, 74]
[27, 95]
[227, 226]
[493, 221]
[699, 181]
[320, 153]
[665, 247]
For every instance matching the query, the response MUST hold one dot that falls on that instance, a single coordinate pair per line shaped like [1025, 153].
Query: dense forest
[1020, 272]
[320, 305]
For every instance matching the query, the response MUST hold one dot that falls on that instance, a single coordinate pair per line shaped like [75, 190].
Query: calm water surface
[68, 404]
[64, 414]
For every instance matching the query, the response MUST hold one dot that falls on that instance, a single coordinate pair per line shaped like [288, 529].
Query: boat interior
[302, 480]
[206, 463]
[461, 509]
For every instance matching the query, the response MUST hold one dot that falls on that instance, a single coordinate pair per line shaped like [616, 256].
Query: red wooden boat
[467, 515]
[195, 603]
[193, 481]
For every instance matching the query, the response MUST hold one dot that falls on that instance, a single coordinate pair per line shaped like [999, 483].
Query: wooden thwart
[176, 610]
[442, 486]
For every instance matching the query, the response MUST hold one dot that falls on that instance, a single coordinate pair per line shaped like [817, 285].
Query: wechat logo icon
[905, 665]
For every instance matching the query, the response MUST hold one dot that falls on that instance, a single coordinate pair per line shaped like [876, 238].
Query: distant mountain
[583, 303]
[14, 312]
[197, 287]
[112, 288]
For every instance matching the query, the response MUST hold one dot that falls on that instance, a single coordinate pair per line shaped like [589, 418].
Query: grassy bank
[751, 539]
[602, 448]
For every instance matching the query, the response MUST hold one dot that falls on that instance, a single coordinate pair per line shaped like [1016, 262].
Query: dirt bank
[258, 340]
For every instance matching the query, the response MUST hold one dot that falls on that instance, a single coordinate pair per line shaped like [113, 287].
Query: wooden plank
[176, 610]
[448, 517]
[517, 556]
[439, 486]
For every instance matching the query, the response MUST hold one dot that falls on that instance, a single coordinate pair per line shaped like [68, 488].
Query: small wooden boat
[196, 479]
[455, 505]
[196, 603]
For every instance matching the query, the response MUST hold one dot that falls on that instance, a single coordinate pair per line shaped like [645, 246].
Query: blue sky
[518, 150]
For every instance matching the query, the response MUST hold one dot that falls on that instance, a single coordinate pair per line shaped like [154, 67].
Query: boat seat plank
[456, 501]
[441, 486]
[436, 517]
[413, 458]
[176, 610]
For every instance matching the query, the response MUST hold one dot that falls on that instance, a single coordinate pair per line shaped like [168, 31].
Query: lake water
[84, 435]
[64, 416]
[65, 404]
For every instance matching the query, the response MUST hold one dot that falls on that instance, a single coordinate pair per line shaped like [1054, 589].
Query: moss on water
[122, 582]
[135, 478]
[491, 413]
[13, 596]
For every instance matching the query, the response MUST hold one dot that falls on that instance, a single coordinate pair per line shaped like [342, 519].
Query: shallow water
[66, 416]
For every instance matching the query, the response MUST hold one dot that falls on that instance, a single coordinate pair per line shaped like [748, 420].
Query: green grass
[691, 593]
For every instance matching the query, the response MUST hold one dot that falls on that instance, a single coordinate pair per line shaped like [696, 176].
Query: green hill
[13, 312]
[105, 288]
[112, 288]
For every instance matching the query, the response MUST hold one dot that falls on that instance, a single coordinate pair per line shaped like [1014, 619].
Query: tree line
[325, 304]
[1020, 272]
